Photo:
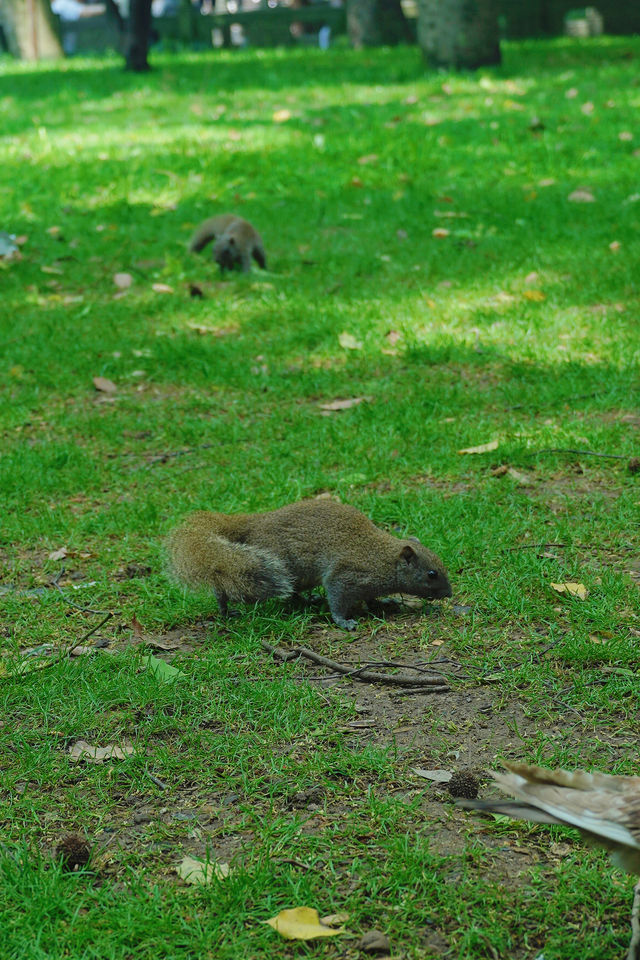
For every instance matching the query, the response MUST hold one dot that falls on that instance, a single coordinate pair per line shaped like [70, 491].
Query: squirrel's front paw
[345, 624]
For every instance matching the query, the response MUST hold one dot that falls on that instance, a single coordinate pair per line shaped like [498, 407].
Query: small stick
[535, 546]
[541, 406]
[364, 674]
[64, 652]
[157, 781]
[582, 453]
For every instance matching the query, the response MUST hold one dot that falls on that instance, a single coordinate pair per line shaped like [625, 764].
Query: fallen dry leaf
[368, 158]
[482, 448]
[199, 872]
[348, 342]
[438, 776]
[440, 232]
[104, 385]
[573, 589]
[161, 288]
[334, 919]
[85, 751]
[581, 196]
[521, 478]
[122, 280]
[81, 651]
[537, 295]
[58, 554]
[281, 116]
[343, 404]
[302, 923]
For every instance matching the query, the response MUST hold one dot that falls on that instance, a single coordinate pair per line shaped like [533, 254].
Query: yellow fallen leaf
[483, 448]
[534, 295]
[197, 871]
[440, 232]
[281, 116]
[573, 589]
[302, 923]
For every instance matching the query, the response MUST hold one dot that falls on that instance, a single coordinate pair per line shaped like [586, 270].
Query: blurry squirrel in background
[253, 556]
[235, 242]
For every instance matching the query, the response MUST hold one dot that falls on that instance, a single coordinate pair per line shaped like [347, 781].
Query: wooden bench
[262, 28]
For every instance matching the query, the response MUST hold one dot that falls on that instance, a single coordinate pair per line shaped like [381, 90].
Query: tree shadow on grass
[275, 69]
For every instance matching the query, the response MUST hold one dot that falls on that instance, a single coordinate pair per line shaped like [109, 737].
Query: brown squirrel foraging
[253, 556]
[235, 242]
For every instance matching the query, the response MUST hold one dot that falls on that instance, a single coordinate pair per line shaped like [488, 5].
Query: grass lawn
[427, 253]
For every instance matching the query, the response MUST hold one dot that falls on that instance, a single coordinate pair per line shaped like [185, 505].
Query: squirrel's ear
[408, 554]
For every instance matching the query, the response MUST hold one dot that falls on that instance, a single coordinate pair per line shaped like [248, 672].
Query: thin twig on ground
[535, 546]
[363, 673]
[581, 453]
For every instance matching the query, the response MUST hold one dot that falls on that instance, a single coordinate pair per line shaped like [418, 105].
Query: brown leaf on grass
[136, 626]
[482, 448]
[81, 750]
[535, 295]
[344, 404]
[104, 385]
[123, 280]
[53, 231]
[355, 182]
[302, 923]
[577, 590]
[58, 554]
[56, 270]
[161, 288]
[614, 246]
[368, 158]
[440, 232]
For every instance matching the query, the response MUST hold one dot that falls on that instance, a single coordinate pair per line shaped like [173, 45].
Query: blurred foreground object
[604, 808]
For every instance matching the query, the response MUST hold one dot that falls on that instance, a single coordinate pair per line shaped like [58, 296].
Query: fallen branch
[581, 453]
[64, 652]
[361, 673]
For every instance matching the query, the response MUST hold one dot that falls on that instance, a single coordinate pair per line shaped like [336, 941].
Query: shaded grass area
[519, 325]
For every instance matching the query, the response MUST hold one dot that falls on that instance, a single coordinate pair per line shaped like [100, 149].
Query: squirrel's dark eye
[432, 574]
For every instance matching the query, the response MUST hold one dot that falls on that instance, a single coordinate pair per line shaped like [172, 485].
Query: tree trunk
[371, 23]
[138, 33]
[31, 29]
[459, 34]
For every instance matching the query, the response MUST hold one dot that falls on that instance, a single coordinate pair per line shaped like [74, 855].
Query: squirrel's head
[421, 572]
[226, 254]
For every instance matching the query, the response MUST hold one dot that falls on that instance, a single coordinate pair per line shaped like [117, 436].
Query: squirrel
[236, 241]
[253, 556]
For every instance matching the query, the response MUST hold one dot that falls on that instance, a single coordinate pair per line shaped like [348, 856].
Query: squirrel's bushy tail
[199, 557]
